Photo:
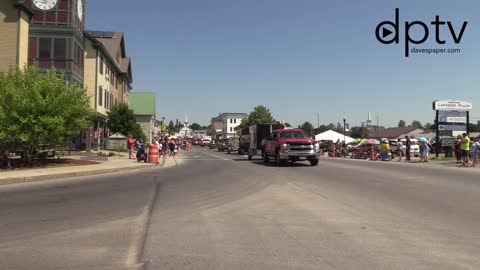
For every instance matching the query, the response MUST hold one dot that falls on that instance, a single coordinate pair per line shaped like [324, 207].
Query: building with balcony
[56, 37]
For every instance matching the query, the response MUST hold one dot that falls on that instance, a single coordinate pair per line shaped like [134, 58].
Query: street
[221, 211]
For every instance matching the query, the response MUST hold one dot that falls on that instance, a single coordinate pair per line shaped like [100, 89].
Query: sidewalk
[120, 163]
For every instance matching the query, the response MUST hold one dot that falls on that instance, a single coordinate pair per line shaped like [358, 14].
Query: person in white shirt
[400, 149]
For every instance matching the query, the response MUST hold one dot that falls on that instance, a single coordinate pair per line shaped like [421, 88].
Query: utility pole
[344, 121]
[318, 121]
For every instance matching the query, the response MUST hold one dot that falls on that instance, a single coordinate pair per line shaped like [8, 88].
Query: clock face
[80, 9]
[45, 4]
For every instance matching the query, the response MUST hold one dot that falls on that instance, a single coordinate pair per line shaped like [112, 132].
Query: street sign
[453, 127]
[452, 105]
[448, 141]
[446, 119]
[164, 127]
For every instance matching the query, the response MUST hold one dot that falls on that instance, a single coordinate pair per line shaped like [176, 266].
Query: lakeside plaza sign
[451, 105]
[452, 119]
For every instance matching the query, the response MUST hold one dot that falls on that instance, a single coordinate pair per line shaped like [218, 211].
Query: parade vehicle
[283, 144]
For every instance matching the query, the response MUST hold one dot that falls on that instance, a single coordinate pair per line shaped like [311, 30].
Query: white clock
[45, 4]
[80, 9]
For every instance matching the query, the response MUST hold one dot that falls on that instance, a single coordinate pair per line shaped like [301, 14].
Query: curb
[27, 179]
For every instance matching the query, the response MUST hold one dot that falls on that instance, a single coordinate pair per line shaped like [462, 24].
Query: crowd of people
[167, 146]
[467, 150]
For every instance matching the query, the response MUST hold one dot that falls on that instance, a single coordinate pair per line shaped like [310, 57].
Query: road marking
[201, 159]
[216, 156]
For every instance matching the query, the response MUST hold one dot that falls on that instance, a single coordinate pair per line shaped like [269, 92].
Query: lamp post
[344, 121]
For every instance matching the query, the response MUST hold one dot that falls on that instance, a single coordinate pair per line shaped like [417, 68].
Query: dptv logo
[387, 28]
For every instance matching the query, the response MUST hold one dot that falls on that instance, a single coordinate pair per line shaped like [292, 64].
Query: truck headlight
[284, 146]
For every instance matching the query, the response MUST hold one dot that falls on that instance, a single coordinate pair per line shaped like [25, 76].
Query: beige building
[15, 18]
[107, 74]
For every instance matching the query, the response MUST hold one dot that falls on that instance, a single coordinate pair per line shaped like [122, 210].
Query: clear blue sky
[298, 57]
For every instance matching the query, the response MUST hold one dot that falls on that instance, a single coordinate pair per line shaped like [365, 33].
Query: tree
[308, 128]
[428, 126]
[359, 132]
[287, 124]
[37, 108]
[171, 126]
[122, 119]
[195, 126]
[402, 124]
[417, 124]
[259, 115]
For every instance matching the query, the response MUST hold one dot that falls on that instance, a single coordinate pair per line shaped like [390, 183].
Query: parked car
[223, 144]
[233, 145]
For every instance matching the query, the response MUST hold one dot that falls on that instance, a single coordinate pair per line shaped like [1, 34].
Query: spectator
[408, 145]
[4, 158]
[172, 147]
[458, 149]
[130, 145]
[141, 154]
[474, 152]
[384, 150]
[465, 148]
[400, 149]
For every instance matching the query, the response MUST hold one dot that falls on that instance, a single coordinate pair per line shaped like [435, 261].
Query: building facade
[56, 37]
[108, 75]
[229, 122]
[15, 16]
[144, 108]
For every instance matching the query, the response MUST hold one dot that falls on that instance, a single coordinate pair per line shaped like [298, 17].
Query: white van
[414, 147]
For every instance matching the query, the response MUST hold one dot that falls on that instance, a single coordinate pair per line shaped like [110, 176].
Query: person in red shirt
[130, 145]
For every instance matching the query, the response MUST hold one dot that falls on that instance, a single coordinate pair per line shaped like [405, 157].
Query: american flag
[98, 133]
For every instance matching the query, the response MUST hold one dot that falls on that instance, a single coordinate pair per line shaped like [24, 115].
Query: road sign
[164, 127]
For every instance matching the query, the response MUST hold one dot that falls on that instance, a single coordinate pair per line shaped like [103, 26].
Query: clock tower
[56, 37]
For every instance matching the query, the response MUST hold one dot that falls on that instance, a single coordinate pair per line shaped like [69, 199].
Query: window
[106, 100]
[235, 120]
[116, 82]
[32, 50]
[100, 96]
[60, 52]
[231, 129]
[101, 65]
[45, 52]
[107, 70]
[231, 121]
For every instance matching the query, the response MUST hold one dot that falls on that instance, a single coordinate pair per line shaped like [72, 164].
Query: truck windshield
[292, 134]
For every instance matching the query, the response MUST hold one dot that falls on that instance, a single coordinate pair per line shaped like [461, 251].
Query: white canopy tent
[333, 136]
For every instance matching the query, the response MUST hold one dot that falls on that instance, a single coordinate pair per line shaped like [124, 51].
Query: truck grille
[301, 146]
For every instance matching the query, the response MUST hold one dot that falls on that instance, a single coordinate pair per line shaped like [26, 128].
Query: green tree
[417, 124]
[37, 108]
[259, 115]
[402, 124]
[428, 126]
[359, 132]
[195, 126]
[171, 126]
[308, 128]
[122, 119]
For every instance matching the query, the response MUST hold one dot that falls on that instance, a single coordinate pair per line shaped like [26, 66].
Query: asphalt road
[220, 211]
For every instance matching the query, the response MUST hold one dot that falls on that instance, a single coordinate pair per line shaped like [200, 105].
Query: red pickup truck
[290, 144]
